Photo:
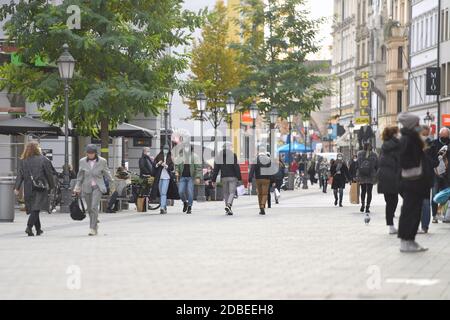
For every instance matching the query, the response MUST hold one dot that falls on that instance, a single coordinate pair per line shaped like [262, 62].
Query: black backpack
[77, 213]
[365, 169]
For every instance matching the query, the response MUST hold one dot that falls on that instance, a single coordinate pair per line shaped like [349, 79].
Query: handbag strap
[82, 204]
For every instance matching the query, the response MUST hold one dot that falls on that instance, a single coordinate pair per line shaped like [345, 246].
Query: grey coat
[86, 174]
[40, 168]
[373, 158]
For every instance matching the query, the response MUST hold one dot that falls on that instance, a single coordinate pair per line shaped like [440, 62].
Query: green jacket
[196, 168]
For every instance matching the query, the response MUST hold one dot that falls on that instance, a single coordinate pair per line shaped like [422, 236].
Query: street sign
[362, 120]
[446, 120]
[433, 84]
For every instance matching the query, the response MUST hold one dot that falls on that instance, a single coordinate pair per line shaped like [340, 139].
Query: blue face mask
[418, 129]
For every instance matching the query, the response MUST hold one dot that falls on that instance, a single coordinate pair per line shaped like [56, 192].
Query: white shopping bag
[277, 193]
[241, 190]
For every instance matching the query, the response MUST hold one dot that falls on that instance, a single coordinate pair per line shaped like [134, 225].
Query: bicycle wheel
[153, 205]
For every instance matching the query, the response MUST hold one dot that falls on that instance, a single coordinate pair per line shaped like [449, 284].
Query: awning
[295, 148]
[28, 126]
[131, 131]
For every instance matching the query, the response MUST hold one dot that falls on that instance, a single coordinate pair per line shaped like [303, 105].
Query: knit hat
[91, 148]
[408, 120]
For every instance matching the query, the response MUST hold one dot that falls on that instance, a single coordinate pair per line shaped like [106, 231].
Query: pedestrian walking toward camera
[92, 179]
[227, 165]
[416, 181]
[324, 174]
[188, 170]
[164, 186]
[339, 172]
[262, 172]
[366, 174]
[35, 173]
[389, 173]
[353, 168]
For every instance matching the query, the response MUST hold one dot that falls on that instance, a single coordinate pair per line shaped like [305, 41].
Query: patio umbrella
[28, 126]
[295, 148]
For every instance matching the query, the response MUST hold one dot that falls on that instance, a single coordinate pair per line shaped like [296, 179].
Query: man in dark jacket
[230, 174]
[146, 165]
[262, 171]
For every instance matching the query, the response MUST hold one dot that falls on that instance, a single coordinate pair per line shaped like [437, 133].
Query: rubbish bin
[291, 181]
[7, 199]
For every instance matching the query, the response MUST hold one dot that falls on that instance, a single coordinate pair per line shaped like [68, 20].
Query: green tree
[214, 65]
[121, 70]
[278, 38]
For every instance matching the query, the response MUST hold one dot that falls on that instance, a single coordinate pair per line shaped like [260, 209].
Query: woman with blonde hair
[36, 175]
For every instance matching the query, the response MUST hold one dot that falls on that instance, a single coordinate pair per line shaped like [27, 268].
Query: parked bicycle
[141, 188]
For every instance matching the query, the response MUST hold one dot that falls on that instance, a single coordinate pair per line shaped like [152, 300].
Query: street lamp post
[305, 127]
[428, 119]
[330, 134]
[351, 129]
[311, 133]
[273, 117]
[375, 129]
[290, 120]
[166, 117]
[201, 107]
[254, 112]
[231, 106]
[66, 67]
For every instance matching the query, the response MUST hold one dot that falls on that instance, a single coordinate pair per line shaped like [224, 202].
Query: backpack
[365, 169]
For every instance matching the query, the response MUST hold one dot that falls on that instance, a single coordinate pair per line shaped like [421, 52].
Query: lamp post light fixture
[231, 106]
[254, 112]
[351, 129]
[330, 135]
[428, 119]
[66, 67]
[202, 102]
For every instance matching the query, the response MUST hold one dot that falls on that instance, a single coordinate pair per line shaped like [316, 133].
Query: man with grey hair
[146, 165]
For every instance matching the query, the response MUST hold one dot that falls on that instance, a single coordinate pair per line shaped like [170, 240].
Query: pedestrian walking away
[164, 186]
[416, 181]
[35, 173]
[324, 174]
[366, 174]
[262, 171]
[92, 180]
[227, 165]
[188, 170]
[339, 172]
[388, 174]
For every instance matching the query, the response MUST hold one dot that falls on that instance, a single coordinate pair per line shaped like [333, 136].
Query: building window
[399, 101]
[400, 58]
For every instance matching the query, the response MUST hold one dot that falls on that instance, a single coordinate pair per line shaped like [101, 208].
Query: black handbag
[77, 213]
[37, 184]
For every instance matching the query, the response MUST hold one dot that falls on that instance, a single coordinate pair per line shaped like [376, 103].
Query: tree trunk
[104, 136]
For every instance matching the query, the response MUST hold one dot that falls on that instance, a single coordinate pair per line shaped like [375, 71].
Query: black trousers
[33, 220]
[366, 188]
[341, 194]
[113, 203]
[391, 206]
[324, 182]
[410, 216]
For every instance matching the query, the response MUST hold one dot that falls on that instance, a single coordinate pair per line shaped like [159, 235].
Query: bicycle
[54, 195]
[141, 188]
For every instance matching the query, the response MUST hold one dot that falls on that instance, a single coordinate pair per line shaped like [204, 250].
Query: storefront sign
[446, 120]
[364, 102]
[433, 82]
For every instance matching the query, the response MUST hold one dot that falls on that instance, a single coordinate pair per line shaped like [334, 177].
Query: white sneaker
[93, 232]
[410, 246]
[392, 230]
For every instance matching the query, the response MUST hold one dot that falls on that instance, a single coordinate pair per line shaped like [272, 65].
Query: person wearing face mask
[164, 186]
[366, 174]
[340, 174]
[389, 173]
[353, 167]
[188, 168]
[415, 183]
[146, 165]
[440, 183]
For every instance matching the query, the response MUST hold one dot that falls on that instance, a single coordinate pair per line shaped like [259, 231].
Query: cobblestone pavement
[304, 248]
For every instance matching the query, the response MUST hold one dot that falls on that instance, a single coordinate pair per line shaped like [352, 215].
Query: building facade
[445, 61]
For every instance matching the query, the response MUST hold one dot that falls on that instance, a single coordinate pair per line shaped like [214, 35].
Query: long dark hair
[160, 157]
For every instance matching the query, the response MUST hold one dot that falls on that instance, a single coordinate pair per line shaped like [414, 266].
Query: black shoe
[110, 211]
[162, 211]
[189, 210]
[185, 206]
[262, 212]
[362, 208]
[340, 205]
[435, 220]
[367, 209]
[29, 232]
[39, 232]
[228, 210]
[335, 202]
[277, 202]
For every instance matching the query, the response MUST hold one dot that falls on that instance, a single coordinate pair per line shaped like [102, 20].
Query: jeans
[366, 188]
[186, 190]
[163, 187]
[229, 189]
[426, 214]
[391, 206]
[33, 220]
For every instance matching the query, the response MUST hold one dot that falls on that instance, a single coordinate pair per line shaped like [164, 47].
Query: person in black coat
[146, 165]
[353, 168]
[339, 172]
[388, 174]
[164, 185]
[34, 167]
[416, 181]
